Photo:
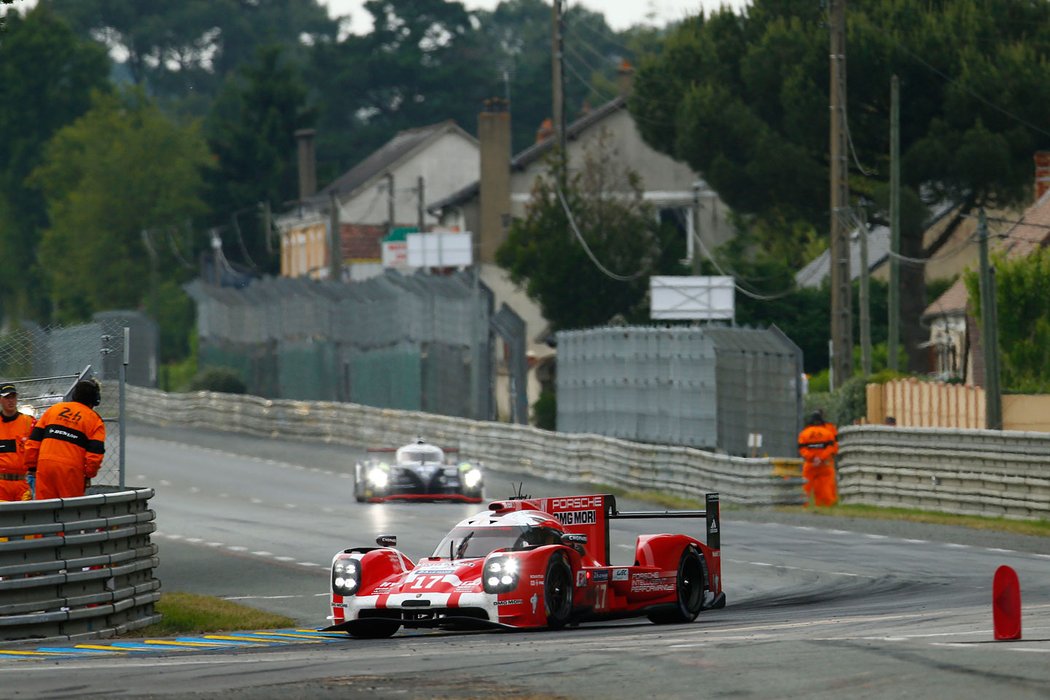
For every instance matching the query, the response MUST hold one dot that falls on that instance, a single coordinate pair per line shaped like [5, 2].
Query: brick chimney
[545, 131]
[625, 78]
[1042, 173]
[494, 135]
[307, 163]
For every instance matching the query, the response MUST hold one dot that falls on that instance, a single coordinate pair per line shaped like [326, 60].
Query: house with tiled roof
[488, 205]
[955, 338]
[676, 191]
[387, 190]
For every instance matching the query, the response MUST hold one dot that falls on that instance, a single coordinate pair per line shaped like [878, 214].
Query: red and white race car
[530, 563]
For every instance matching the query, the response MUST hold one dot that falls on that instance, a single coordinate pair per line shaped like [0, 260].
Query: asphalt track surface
[817, 607]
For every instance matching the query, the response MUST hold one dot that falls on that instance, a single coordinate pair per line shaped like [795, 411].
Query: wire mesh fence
[710, 388]
[414, 342]
[45, 362]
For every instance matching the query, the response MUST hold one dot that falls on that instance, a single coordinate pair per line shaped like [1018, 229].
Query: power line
[970, 91]
[743, 290]
[576, 232]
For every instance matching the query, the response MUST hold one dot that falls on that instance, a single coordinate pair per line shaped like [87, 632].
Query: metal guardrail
[586, 459]
[997, 473]
[77, 568]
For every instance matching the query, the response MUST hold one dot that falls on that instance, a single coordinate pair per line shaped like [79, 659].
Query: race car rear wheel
[557, 591]
[690, 588]
[373, 629]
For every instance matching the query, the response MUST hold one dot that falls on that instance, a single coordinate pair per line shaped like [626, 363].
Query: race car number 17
[428, 581]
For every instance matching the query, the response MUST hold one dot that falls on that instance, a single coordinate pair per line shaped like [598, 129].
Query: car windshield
[469, 542]
[419, 453]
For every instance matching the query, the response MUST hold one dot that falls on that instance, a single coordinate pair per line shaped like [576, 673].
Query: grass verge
[1036, 528]
[189, 613]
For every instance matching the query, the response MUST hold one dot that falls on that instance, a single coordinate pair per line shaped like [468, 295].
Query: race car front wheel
[689, 585]
[557, 591]
[373, 629]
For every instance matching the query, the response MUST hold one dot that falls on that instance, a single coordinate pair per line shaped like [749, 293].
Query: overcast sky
[619, 14]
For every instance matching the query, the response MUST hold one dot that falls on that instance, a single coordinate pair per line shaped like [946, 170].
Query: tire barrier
[77, 568]
[586, 459]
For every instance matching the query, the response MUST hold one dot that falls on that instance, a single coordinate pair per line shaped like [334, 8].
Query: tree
[744, 100]
[423, 63]
[589, 268]
[183, 51]
[111, 179]
[517, 36]
[251, 131]
[1022, 302]
[46, 79]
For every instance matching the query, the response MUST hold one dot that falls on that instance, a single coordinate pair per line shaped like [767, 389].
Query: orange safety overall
[65, 449]
[818, 445]
[13, 433]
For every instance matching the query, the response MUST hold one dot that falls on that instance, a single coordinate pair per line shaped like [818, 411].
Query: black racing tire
[372, 629]
[557, 591]
[690, 586]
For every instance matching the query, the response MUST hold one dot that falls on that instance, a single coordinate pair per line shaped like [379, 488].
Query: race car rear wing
[590, 516]
[710, 513]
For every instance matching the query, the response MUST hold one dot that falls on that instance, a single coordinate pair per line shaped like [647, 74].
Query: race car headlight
[472, 478]
[501, 575]
[378, 478]
[346, 576]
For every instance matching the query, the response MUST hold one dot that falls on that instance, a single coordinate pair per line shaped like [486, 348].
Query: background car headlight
[500, 575]
[378, 478]
[472, 478]
[346, 576]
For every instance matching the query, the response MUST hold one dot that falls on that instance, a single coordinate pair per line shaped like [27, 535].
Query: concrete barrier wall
[974, 472]
[967, 472]
[585, 459]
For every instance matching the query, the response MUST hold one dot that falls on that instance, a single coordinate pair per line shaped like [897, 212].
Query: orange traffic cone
[1006, 604]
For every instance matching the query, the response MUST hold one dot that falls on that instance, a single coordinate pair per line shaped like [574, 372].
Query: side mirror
[387, 540]
[574, 538]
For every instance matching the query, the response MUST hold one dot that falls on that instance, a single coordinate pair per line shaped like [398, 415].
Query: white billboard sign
[692, 298]
[395, 254]
[439, 249]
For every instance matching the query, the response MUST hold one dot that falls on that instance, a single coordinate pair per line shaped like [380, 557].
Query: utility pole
[421, 206]
[841, 309]
[993, 406]
[335, 248]
[557, 84]
[389, 203]
[694, 242]
[267, 223]
[865, 296]
[894, 301]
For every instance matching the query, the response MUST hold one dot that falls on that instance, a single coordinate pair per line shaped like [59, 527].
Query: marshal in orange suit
[818, 444]
[67, 444]
[14, 430]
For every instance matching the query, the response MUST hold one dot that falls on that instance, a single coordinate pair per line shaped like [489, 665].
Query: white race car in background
[418, 471]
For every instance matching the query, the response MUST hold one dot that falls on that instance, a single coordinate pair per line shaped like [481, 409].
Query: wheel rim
[557, 593]
[691, 584]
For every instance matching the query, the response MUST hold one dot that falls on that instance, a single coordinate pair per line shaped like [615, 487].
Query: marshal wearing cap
[8, 390]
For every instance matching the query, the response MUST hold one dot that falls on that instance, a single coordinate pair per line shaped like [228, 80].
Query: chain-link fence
[44, 362]
[722, 389]
[418, 342]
